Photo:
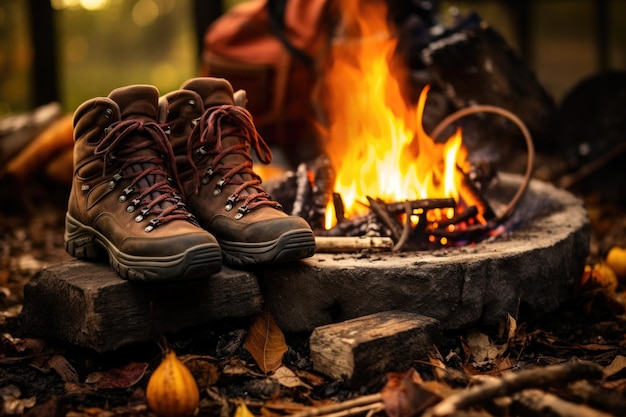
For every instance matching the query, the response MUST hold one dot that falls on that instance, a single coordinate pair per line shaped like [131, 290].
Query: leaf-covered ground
[571, 362]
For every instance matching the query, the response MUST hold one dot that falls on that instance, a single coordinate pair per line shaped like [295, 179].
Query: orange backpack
[270, 49]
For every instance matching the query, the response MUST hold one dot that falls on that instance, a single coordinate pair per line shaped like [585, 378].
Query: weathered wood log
[88, 305]
[369, 346]
[347, 244]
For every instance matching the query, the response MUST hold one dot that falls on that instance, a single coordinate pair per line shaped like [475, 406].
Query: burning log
[468, 185]
[379, 208]
[424, 204]
[466, 215]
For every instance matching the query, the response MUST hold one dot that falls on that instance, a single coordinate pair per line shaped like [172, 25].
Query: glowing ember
[377, 144]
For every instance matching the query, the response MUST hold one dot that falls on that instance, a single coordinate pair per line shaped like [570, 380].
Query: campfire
[382, 175]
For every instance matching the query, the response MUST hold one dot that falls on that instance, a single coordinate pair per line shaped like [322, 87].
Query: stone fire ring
[532, 268]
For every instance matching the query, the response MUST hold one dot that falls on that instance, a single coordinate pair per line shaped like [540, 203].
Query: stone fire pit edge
[532, 268]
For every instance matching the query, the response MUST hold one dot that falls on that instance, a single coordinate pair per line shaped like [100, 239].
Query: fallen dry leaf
[482, 349]
[287, 378]
[123, 377]
[62, 367]
[616, 366]
[405, 395]
[266, 342]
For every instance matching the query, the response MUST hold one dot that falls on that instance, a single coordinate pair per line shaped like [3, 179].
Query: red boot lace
[150, 185]
[224, 121]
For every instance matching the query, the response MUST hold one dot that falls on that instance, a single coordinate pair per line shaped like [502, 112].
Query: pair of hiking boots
[165, 188]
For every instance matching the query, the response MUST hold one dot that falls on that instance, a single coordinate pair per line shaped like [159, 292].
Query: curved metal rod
[483, 108]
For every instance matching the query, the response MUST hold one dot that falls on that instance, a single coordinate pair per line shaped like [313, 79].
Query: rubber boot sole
[200, 261]
[290, 246]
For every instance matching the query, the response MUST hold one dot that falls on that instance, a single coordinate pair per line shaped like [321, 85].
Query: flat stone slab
[531, 268]
[89, 305]
[365, 347]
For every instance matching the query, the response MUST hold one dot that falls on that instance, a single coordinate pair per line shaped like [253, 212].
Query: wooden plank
[369, 346]
[88, 305]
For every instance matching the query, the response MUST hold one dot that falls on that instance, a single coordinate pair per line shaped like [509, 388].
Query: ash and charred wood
[379, 208]
[469, 233]
[336, 244]
[354, 226]
[374, 227]
[303, 191]
[482, 203]
[469, 213]
[483, 174]
[340, 214]
[424, 204]
[283, 190]
[323, 183]
[537, 402]
[509, 384]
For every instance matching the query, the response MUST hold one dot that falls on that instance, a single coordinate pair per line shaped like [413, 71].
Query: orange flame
[376, 140]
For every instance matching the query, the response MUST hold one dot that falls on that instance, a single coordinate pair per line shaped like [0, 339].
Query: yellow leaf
[266, 342]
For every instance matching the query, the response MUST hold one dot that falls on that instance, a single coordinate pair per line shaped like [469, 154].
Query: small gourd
[616, 259]
[172, 390]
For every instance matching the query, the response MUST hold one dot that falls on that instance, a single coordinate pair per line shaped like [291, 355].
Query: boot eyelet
[122, 199]
[206, 179]
[108, 113]
[138, 218]
[218, 187]
[230, 202]
[242, 211]
[152, 225]
[114, 181]
[200, 152]
[191, 104]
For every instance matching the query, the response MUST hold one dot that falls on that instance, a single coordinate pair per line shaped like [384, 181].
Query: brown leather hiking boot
[211, 138]
[125, 200]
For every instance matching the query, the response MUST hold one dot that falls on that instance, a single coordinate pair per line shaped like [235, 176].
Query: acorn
[172, 390]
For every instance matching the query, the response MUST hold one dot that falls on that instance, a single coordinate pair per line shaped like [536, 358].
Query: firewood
[514, 382]
[303, 191]
[482, 203]
[369, 346]
[347, 244]
[103, 312]
[55, 139]
[469, 213]
[17, 131]
[379, 208]
[424, 204]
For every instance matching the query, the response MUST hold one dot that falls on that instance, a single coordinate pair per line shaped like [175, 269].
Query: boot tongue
[137, 102]
[140, 102]
[215, 91]
[218, 92]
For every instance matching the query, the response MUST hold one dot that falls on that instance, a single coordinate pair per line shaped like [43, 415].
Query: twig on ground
[347, 408]
[515, 382]
[538, 402]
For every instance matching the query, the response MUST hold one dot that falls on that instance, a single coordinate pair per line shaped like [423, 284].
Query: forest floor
[571, 362]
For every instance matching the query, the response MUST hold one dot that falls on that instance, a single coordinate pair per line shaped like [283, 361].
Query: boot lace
[150, 182]
[224, 121]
